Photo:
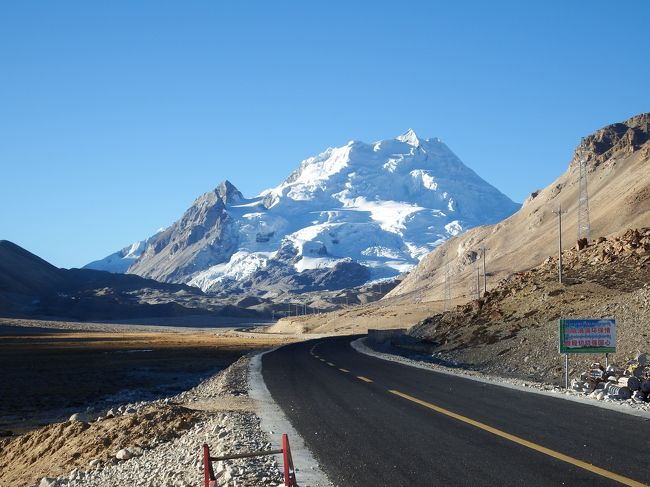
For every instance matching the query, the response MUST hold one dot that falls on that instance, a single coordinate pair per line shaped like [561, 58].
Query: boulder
[124, 454]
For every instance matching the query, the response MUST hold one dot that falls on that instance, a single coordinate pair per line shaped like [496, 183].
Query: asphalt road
[371, 422]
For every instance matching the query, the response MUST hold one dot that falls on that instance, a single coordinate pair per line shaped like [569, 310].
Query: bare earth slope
[513, 329]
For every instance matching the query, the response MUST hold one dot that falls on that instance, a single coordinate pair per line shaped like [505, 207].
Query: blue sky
[115, 116]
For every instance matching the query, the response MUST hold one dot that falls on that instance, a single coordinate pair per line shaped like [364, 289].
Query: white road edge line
[272, 418]
[361, 347]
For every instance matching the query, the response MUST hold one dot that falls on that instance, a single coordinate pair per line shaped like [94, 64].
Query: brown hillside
[513, 329]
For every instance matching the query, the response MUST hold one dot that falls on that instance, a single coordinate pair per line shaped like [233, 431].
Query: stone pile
[630, 382]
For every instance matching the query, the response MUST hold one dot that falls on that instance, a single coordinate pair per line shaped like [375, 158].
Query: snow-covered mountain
[120, 261]
[350, 214]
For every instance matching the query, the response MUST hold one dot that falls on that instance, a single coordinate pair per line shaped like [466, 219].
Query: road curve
[371, 422]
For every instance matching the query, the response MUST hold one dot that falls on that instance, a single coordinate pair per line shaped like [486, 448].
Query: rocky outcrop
[616, 140]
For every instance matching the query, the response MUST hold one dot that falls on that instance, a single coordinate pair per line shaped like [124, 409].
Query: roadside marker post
[210, 480]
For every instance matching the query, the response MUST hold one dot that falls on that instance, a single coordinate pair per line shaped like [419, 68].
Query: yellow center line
[528, 444]
[344, 370]
[365, 379]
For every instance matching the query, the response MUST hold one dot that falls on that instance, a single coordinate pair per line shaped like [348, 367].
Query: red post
[289, 473]
[206, 465]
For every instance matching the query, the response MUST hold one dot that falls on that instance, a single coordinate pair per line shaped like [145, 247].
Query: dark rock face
[280, 276]
[616, 139]
[204, 236]
[342, 275]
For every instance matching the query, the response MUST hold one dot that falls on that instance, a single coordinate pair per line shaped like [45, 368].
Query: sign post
[586, 336]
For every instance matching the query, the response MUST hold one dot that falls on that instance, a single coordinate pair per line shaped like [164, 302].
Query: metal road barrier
[210, 479]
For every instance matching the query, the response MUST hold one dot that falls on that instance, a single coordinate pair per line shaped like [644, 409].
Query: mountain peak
[228, 193]
[409, 137]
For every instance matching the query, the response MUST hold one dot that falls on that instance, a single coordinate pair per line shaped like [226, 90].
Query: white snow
[241, 265]
[385, 205]
[120, 261]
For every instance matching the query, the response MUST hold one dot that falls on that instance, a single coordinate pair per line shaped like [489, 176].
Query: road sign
[587, 336]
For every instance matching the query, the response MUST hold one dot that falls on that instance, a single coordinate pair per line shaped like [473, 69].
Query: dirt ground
[48, 372]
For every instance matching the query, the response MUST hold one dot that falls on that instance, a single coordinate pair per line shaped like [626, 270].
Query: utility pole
[483, 249]
[559, 241]
[447, 296]
[584, 227]
[478, 280]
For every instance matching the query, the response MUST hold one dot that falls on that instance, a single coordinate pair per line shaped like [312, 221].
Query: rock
[639, 396]
[577, 384]
[110, 414]
[81, 417]
[645, 386]
[136, 451]
[633, 383]
[48, 482]
[95, 463]
[124, 454]
[641, 358]
[582, 244]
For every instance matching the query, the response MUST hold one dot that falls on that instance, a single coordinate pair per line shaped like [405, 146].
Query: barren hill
[30, 286]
